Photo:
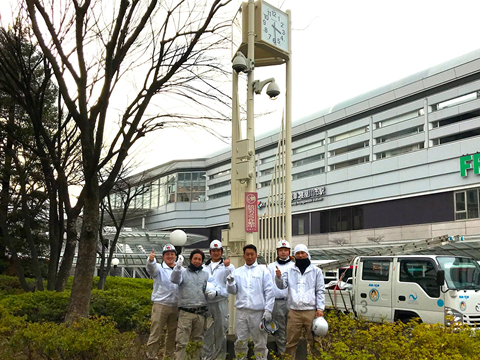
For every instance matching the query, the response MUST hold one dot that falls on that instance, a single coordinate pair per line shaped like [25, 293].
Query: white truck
[435, 288]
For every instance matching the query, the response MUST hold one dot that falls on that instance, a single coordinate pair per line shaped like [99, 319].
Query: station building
[401, 162]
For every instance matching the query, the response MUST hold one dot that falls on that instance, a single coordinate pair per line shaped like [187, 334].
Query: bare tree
[50, 140]
[91, 46]
[375, 239]
[340, 241]
[125, 191]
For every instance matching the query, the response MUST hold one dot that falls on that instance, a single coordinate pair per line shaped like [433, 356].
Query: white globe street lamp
[115, 263]
[178, 238]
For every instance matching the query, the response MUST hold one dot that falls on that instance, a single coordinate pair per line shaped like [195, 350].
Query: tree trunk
[4, 197]
[68, 255]
[82, 283]
[27, 227]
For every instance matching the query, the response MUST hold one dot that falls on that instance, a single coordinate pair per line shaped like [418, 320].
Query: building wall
[393, 154]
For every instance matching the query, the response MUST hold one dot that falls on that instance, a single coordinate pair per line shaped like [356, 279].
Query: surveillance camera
[240, 63]
[273, 90]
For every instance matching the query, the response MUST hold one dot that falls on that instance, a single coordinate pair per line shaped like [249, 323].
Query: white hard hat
[320, 326]
[283, 244]
[269, 326]
[216, 244]
[169, 247]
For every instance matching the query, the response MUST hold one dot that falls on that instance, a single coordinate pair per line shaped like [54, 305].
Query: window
[341, 219]
[219, 174]
[308, 160]
[219, 195]
[217, 185]
[455, 101]
[171, 187]
[349, 134]
[467, 204]
[376, 270]
[455, 119]
[300, 224]
[400, 118]
[456, 137]
[400, 134]
[399, 151]
[268, 159]
[348, 148]
[155, 190]
[308, 173]
[349, 163]
[423, 273]
[266, 172]
[307, 147]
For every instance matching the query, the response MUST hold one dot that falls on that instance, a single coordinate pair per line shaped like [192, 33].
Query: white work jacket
[305, 292]
[164, 291]
[279, 293]
[218, 277]
[253, 286]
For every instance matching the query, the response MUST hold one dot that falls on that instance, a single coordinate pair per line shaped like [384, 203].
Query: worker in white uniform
[306, 297]
[165, 303]
[215, 342]
[280, 310]
[253, 285]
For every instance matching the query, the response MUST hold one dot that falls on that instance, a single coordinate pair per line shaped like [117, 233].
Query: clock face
[275, 27]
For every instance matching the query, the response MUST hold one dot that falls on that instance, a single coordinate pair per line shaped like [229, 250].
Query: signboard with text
[470, 162]
[251, 212]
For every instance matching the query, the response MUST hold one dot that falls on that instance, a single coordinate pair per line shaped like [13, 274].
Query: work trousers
[162, 315]
[191, 327]
[247, 325]
[215, 344]
[297, 320]
[280, 314]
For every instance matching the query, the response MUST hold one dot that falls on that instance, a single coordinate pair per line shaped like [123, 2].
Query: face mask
[302, 264]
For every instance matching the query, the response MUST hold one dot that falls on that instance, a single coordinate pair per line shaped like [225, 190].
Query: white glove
[267, 315]
[179, 261]
[211, 294]
[230, 279]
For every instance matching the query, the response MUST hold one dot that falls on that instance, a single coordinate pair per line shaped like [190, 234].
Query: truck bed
[339, 300]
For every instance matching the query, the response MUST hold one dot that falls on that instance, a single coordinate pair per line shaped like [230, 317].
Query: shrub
[90, 339]
[9, 285]
[38, 306]
[350, 339]
[130, 309]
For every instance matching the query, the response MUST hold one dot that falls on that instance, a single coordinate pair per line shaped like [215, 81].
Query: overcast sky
[342, 49]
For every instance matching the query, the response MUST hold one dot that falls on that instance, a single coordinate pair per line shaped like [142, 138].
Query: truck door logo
[412, 298]
[374, 295]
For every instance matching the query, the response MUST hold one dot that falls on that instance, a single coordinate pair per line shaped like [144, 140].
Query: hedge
[31, 328]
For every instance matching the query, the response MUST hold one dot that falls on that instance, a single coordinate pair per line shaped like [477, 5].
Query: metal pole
[250, 238]
[288, 139]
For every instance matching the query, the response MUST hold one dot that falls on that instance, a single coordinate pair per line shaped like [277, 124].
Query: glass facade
[466, 204]
[179, 187]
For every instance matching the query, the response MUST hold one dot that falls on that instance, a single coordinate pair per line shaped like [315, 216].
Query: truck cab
[434, 288]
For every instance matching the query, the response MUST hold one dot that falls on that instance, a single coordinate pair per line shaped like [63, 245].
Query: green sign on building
[469, 162]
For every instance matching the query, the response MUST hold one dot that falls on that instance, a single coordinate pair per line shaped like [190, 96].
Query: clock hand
[274, 33]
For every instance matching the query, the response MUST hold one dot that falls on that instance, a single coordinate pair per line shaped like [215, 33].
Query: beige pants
[191, 327]
[162, 315]
[297, 320]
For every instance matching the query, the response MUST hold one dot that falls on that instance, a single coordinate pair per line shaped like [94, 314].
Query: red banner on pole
[251, 212]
